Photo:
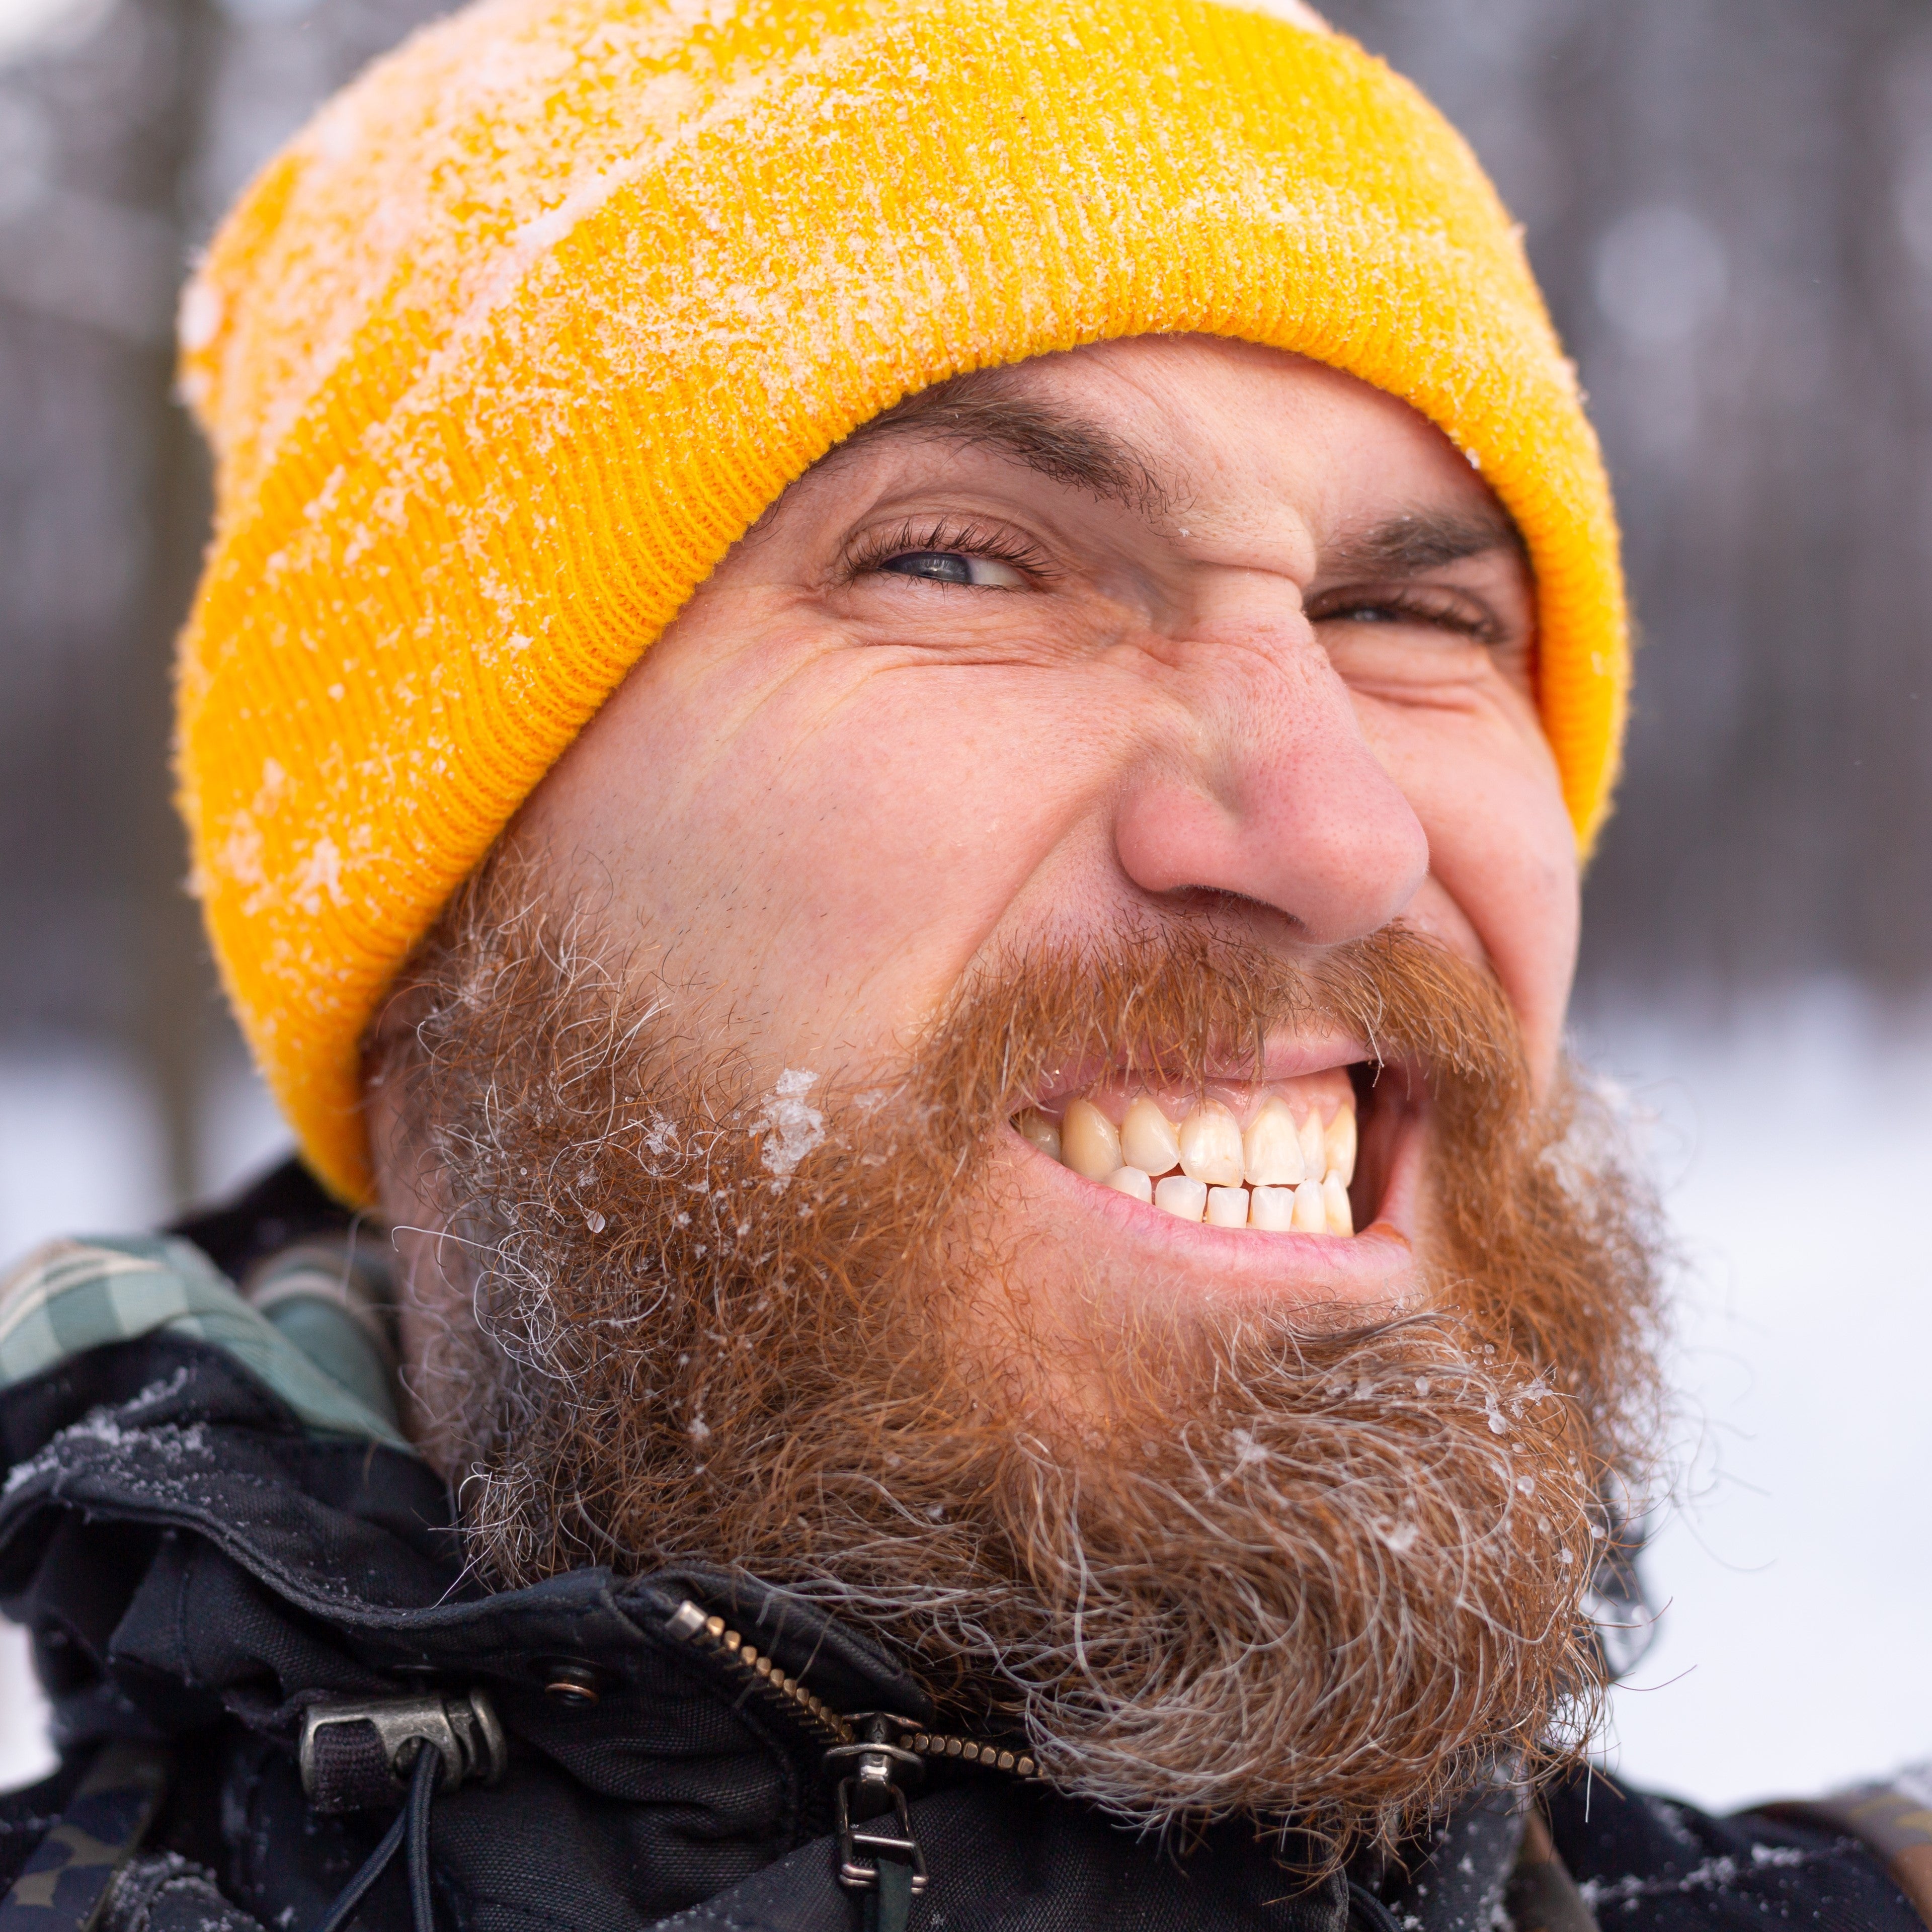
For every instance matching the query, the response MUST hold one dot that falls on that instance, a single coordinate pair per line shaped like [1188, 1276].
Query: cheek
[1505, 884]
[826, 843]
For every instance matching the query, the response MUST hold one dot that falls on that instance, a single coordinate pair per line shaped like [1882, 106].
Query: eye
[1424, 607]
[954, 566]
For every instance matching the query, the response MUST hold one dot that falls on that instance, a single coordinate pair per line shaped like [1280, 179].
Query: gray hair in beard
[1313, 1573]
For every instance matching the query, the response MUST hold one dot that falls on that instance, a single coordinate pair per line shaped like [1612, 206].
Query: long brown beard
[1281, 1564]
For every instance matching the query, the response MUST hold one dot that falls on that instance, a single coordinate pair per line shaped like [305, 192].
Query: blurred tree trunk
[125, 129]
[102, 505]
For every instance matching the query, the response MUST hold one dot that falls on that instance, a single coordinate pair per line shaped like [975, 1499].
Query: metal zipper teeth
[713, 1635]
[785, 1693]
[970, 1751]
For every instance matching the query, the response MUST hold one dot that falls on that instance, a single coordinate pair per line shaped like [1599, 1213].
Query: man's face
[1164, 638]
[1083, 764]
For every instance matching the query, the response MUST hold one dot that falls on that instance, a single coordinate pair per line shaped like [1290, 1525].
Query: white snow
[25, 1756]
[791, 1126]
[80, 1146]
[1797, 1141]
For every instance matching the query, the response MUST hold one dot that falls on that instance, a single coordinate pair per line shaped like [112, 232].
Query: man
[887, 743]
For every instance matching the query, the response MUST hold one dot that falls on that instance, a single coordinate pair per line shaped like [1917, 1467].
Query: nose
[1257, 780]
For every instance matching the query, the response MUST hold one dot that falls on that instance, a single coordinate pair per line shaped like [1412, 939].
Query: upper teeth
[1090, 1143]
[1211, 1146]
[1271, 1148]
[1280, 1173]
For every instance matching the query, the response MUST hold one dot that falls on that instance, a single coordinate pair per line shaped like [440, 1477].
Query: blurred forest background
[1730, 204]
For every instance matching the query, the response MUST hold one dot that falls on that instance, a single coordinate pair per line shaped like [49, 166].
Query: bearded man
[888, 742]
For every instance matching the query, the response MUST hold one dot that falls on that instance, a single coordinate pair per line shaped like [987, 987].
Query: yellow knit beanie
[501, 355]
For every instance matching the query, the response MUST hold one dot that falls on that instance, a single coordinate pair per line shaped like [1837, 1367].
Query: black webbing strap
[888, 1906]
[67, 1880]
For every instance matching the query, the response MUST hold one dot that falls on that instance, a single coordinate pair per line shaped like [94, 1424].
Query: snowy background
[1729, 203]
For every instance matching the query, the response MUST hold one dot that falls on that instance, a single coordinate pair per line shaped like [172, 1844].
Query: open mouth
[1278, 1156]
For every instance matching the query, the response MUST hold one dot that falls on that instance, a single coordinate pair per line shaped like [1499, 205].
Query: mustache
[1180, 1003]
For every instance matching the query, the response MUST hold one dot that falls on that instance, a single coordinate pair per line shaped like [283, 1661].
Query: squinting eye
[1421, 609]
[953, 566]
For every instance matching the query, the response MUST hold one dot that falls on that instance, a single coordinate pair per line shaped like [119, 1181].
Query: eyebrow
[973, 409]
[1420, 541]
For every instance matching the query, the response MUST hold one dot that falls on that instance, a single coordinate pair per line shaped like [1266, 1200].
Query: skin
[831, 789]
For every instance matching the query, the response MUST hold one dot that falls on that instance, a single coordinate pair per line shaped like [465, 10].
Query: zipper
[785, 1696]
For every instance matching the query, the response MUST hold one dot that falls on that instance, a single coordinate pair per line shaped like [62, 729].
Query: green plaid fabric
[70, 1296]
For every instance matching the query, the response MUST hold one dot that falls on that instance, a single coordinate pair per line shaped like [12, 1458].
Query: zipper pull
[879, 1855]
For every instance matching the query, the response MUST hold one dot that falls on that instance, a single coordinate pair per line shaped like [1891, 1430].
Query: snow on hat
[503, 352]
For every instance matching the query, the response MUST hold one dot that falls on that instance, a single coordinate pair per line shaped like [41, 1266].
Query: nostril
[1322, 840]
[1208, 901]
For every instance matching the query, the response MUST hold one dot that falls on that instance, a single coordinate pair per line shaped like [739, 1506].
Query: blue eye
[955, 566]
[942, 566]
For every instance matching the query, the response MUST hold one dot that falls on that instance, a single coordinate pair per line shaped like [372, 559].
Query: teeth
[1227, 1207]
[1314, 1147]
[1211, 1146]
[1147, 1139]
[1272, 1208]
[1335, 1208]
[1278, 1176]
[1090, 1143]
[1185, 1200]
[1271, 1149]
[1338, 1145]
[1311, 1216]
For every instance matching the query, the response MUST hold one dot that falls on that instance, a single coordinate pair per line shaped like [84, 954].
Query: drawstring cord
[422, 1794]
[413, 1825]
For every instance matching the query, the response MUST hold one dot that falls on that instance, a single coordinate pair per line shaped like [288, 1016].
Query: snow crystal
[792, 1128]
[162, 1388]
[103, 1426]
[198, 320]
[24, 1472]
[1717, 1874]
[1294, 12]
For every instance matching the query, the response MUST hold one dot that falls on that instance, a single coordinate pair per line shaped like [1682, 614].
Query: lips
[1277, 1157]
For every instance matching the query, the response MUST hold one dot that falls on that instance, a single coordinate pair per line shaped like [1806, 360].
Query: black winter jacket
[200, 1565]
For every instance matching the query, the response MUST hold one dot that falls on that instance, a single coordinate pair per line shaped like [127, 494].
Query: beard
[1317, 1566]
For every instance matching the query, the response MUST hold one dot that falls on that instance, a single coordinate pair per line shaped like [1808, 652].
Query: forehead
[1159, 424]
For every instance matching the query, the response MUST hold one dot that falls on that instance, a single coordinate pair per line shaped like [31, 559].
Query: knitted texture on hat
[502, 354]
